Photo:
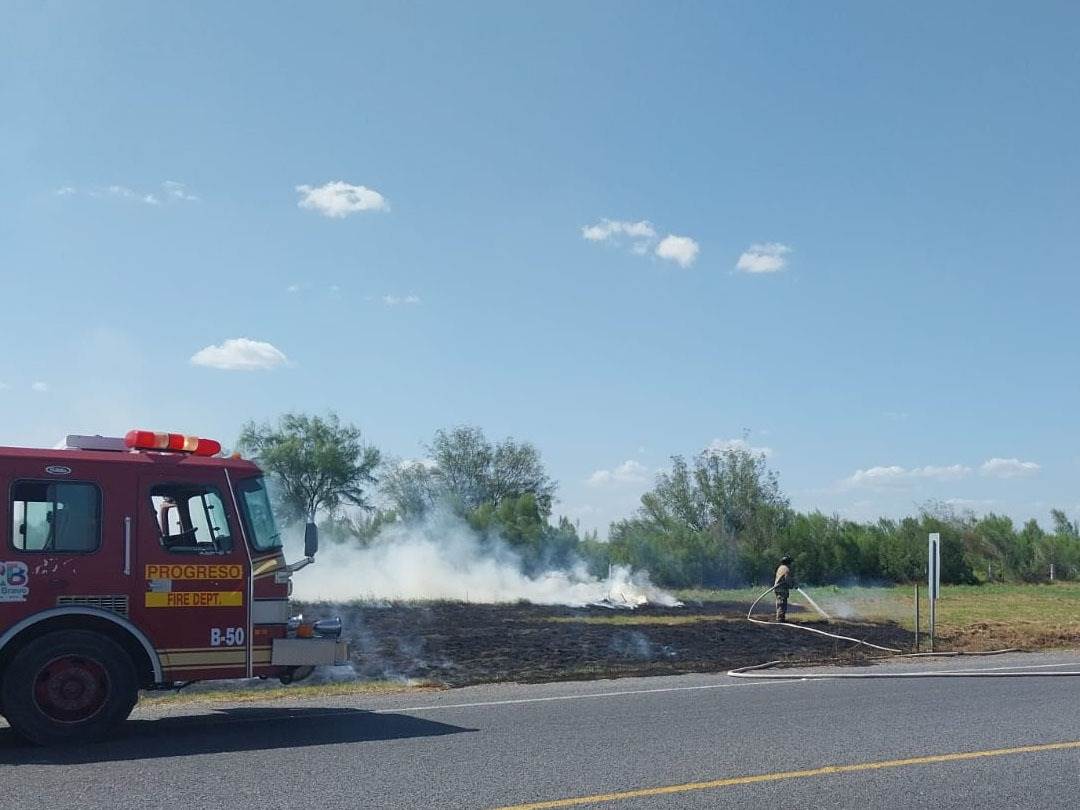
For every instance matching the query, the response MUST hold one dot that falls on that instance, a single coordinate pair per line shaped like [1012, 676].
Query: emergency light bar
[171, 443]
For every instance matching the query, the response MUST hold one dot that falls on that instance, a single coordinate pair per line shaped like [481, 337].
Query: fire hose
[753, 671]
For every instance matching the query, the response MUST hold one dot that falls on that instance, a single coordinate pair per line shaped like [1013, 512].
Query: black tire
[69, 686]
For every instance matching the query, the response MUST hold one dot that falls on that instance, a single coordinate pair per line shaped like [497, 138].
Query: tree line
[719, 519]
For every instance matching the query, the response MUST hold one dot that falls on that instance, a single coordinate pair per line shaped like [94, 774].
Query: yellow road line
[827, 770]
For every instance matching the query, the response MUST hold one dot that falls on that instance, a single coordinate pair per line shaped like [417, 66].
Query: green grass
[962, 605]
[1032, 615]
[959, 606]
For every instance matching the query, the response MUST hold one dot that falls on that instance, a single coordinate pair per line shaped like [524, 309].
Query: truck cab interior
[190, 519]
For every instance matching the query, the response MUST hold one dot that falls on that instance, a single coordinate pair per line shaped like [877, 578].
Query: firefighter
[782, 585]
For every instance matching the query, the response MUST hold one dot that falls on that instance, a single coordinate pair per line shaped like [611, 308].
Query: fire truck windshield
[258, 516]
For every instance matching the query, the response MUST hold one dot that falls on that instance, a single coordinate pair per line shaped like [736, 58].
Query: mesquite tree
[469, 472]
[315, 463]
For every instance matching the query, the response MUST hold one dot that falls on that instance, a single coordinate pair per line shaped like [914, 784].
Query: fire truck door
[194, 569]
[64, 538]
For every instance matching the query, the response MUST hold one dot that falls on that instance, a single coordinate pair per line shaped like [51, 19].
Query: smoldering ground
[456, 644]
[420, 569]
[436, 602]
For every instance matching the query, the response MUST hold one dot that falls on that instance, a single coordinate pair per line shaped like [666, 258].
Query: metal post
[933, 617]
[933, 568]
[916, 617]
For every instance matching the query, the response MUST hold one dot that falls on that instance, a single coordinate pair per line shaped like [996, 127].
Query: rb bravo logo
[14, 582]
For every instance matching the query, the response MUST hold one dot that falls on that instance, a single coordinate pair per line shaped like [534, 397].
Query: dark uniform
[784, 582]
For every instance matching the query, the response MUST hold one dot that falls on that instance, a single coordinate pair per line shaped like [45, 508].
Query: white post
[933, 570]
[1051, 572]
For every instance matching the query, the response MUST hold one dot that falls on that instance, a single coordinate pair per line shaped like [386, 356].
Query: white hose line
[764, 593]
[751, 671]
[746, 672]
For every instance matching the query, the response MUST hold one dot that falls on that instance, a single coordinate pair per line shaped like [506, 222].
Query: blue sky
[844, 232]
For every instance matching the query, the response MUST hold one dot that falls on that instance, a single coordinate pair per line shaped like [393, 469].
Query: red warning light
[171, 443]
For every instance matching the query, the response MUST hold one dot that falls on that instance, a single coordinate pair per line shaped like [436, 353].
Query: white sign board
[933, 567]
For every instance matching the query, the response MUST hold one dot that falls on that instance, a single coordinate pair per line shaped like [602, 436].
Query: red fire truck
[140, 562]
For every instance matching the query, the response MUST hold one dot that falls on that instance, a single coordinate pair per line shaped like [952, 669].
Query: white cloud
[629, 472]
[642, 237]
[178, 191]
[722, 445]
[895, 475]
[426, 463]
[679, 249]
[240, 354]
[170, 190]
[1009, 468]
[769, 257]
[293, 288]
[585, 510]
[126, 193]
[950, 473]
[39, 387]
[876, 476]
[970, 504]
[395, 300]
[339, 199]
[607, 229]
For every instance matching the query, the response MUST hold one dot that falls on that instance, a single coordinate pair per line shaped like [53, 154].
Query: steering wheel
[184, 538]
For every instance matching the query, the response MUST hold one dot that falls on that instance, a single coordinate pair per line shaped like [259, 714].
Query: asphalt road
[511, 745]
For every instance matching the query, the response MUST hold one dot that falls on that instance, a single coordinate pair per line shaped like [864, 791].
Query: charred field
[457, 644]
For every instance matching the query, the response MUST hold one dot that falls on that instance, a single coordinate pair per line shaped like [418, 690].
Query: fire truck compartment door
[270, 611]
[309, 652]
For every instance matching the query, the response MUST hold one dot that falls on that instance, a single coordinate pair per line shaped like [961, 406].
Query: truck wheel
[69, 686]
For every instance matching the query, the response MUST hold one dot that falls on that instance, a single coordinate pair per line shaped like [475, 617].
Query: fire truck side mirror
[311, 540]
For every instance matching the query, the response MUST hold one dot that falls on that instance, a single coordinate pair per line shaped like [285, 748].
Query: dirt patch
[1029, 635]
[458, 644]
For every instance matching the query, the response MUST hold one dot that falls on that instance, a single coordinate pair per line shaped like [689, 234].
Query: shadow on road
[228, 730]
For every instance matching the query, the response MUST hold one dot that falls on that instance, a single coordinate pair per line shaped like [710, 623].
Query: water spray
[815, 605]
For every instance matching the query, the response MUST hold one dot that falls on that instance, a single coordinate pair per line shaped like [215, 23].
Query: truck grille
[114, 603]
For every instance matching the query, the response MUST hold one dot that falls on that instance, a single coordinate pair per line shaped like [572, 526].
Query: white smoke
[442, 558]
[840, 608]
